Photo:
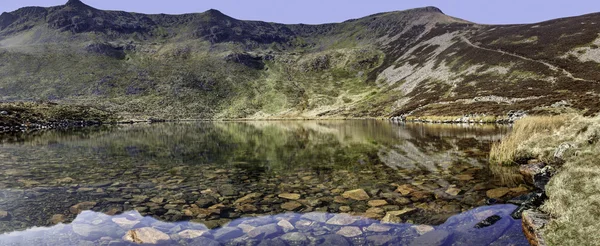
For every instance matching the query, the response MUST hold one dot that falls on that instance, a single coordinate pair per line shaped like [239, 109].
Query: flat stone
[378, 228]
[247, 208]
[248, 198]
[246, 228]
[497, 193]
[377, 203]
[315, 216]
[291, 206]
[145, 235]
[422, 229]
[290, 196]
[227, 233]
[453, 191]
[204, 242]
[342, 219]
[345, 209]
[358, 194]
[125, 223]
[191, 234]
[374, 213]
[349, 231]
[286, 225]
[80, 207]
[266, 231]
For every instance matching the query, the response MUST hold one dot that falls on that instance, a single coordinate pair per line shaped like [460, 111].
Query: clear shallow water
[93, 228]
[212, 173]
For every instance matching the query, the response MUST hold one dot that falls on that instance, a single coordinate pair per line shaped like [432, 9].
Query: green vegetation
[16, 114]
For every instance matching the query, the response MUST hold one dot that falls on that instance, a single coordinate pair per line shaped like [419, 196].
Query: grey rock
[266, 231]
[334, 240]
[435, 237]
[227, 233]
[342, 219]
[295, 237]
[380, 239]
[315, 216]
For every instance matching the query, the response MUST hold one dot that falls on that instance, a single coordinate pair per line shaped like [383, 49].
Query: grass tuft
[507, 152]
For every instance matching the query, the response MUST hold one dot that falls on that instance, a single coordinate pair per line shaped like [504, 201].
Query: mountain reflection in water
[216, 172]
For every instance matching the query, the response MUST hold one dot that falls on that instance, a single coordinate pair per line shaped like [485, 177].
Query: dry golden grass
[507, 151]
[574, 192]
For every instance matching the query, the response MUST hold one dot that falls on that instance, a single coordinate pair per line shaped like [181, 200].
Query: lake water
[247, 183]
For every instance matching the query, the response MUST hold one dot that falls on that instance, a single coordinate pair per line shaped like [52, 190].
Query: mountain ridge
[210, 65]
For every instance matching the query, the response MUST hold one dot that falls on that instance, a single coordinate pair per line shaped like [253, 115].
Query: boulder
[533, 221]
[530, 170]
[145, 235]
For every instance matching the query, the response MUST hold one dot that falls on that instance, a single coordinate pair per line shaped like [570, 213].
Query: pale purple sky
[326, 11]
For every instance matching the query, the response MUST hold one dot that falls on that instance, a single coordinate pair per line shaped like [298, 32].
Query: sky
[328, 11]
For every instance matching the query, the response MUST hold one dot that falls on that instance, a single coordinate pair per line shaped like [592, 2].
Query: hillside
[210, 65]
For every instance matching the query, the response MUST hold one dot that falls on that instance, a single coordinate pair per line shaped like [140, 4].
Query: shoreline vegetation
[23, 116]
[559, 155]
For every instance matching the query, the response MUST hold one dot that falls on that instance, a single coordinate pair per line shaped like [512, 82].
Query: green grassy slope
[209, 65]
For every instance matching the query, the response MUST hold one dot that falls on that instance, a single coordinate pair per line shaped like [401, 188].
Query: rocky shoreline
[33, 116]
[510, 118]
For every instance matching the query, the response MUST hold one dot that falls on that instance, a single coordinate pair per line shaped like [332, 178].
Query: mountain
[210, 65]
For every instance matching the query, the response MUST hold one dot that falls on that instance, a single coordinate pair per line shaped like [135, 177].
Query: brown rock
[453, 191]
[497, 193]
[464, 177]
[339, 199]
[248, 198]
[358, 194]
[82, 206]
[345, 209]
[290, 196]
[246, 208]
[519, 190]
[57, 218]
[405, 189]
[377, 203]
[146, 235]
[530, 170]
[291, 206]
[374, 213]
[532, 222]
[4, 215]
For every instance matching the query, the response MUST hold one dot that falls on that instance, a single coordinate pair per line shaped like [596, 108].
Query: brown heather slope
[209, 65]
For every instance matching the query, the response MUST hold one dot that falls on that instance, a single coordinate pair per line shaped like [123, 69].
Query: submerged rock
[358, 194]
[488, 221]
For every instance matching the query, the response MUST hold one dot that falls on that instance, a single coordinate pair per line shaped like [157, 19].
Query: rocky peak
[76, 3]
[431, 9]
